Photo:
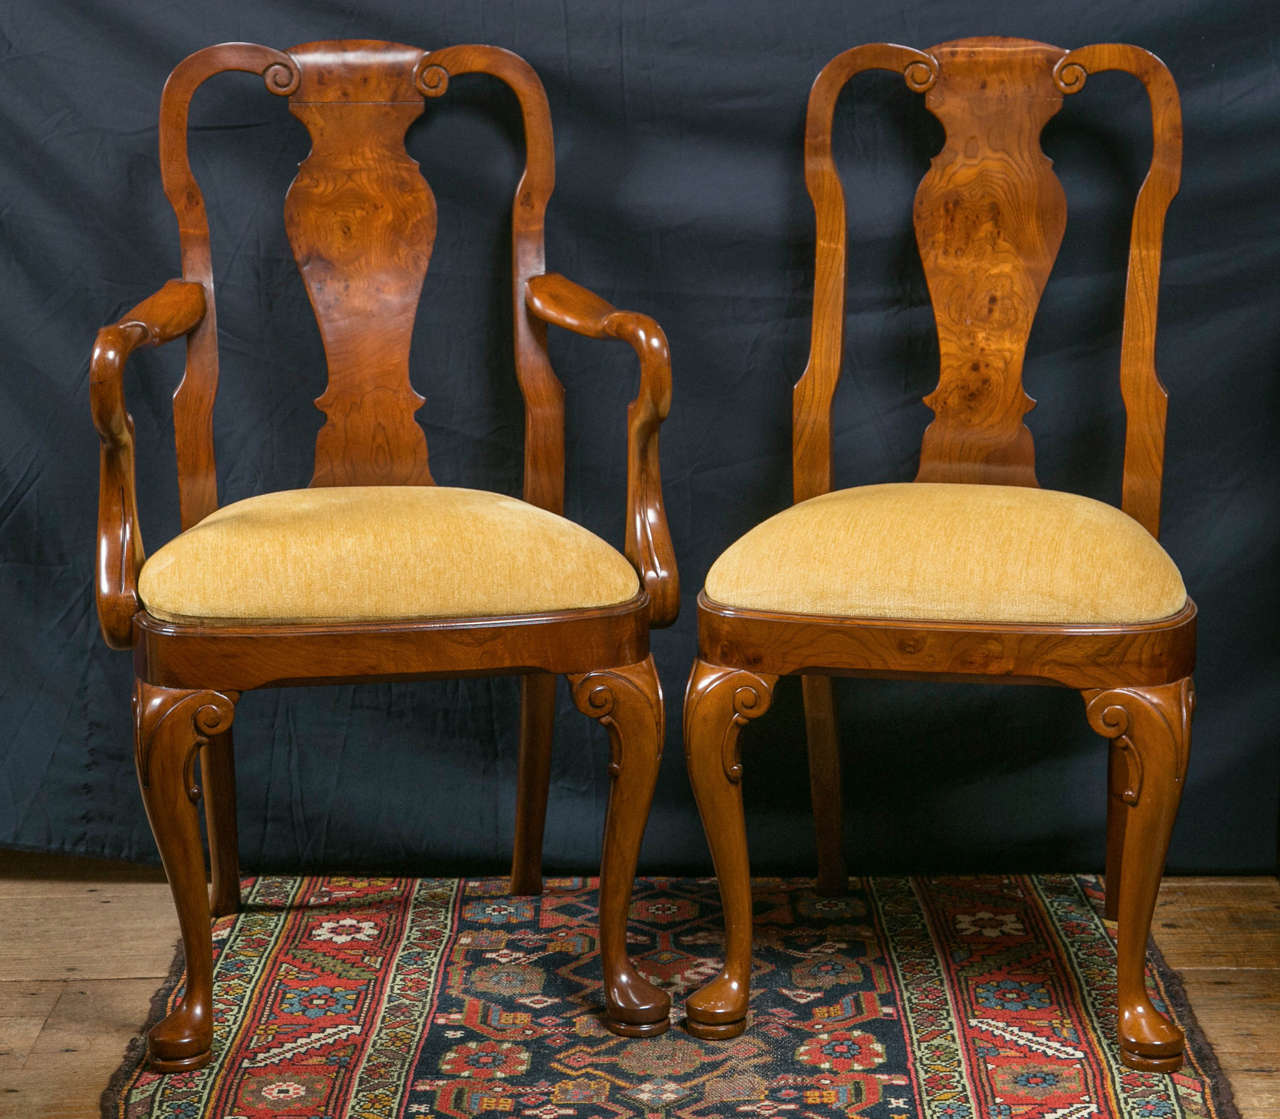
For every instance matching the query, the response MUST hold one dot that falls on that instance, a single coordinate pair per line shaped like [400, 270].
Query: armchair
[972, 572]
[374, 572]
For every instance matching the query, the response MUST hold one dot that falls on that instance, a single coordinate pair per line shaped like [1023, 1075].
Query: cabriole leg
[537, 725]
[1150, 728]
[218, 779]
[717, 704]
[170, 726]
[628, 703]
[822, 732]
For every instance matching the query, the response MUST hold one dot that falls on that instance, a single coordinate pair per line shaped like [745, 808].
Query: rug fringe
[1219, 1083]
[136, 1051]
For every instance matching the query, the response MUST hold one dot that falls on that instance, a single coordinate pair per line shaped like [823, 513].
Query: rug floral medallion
[943, 998]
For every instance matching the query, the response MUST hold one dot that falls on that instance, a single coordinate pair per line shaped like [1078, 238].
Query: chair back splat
[989, 219]
[362, 221]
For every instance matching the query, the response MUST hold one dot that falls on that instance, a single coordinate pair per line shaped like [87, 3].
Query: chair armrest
[559, 301]
[170, 313]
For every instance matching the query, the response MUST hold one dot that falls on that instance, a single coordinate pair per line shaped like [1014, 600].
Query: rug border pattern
[936, 1065]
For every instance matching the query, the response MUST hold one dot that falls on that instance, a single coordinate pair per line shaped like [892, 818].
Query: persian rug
[928, 998]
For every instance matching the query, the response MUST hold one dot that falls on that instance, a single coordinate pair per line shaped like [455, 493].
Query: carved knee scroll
[718, 703]
[615, 697]
[171, 725]
[188, 716]
[1151, 721]
[627, 702]
[1150, 729]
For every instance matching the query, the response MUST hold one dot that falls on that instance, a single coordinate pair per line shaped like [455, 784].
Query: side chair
[374, 572]
[971, 572]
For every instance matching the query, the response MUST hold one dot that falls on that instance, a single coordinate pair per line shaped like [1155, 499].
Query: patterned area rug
[941, 998]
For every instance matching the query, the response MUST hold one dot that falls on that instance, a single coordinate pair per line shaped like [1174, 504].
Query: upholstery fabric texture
[364, 553]
[953, 552]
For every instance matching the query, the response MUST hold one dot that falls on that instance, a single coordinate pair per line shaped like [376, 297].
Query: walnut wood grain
[194, 397]
[1145, 398]
[822, 733]
[627, 702]
[814, 392]
[361, 220]
[1080, 656]
[1117, 818]
[284, 73]
[218, 782]
[554, 299]
[533, 780]
[989, 217]
[170, 727]
[718, 702]
[362, 223]
[175, 309]
[1150, 728]
[542, 390]
[261, 656]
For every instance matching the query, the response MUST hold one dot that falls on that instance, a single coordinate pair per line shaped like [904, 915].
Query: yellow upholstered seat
[934, 551]
[364, 553]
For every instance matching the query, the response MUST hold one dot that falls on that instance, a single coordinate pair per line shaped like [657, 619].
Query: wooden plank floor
[1223, 936]
[70, 997]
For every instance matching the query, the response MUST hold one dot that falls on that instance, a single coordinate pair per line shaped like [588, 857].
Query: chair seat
[368, 553]
[951, 552]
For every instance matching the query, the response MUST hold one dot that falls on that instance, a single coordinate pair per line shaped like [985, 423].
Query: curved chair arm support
[170, 313]
[559, 301]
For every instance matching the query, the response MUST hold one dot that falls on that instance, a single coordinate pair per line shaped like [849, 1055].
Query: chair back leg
[218, 780]
[533, 780]
[1117, 817]
[822, 732]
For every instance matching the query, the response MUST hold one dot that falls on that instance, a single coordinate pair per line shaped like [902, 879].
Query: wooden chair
[374, 573]
[971, 572]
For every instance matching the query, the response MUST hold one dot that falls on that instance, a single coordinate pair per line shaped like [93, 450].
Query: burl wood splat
[989, 218]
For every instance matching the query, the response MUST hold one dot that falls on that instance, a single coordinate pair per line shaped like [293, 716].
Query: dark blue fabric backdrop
[681, 193]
